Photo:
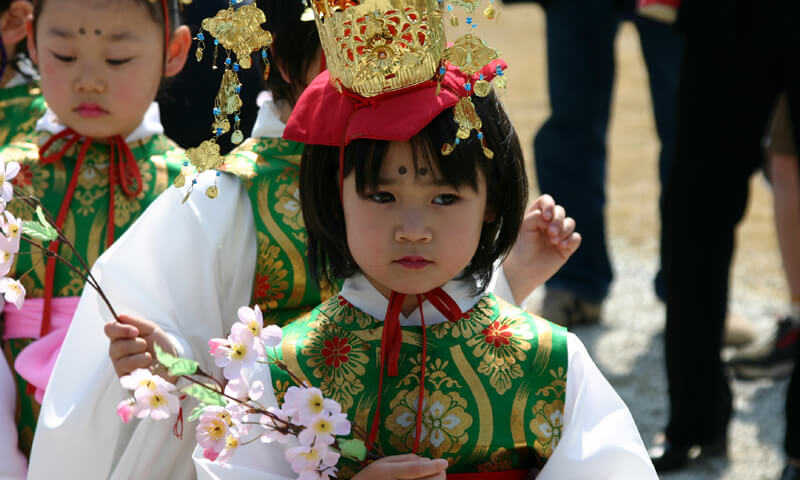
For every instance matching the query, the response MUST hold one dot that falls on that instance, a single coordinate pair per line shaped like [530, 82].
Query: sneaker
[772, 358]
[568, 310]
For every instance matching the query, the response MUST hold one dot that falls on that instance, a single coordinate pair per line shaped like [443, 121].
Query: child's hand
[546, 241]
[405, 467]
[132, 342]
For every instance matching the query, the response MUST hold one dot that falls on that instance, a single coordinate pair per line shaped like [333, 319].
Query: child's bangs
[459, 169]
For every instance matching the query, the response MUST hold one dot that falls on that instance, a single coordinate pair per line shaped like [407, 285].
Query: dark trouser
[792, 442]
[570, 148]
[727, 92]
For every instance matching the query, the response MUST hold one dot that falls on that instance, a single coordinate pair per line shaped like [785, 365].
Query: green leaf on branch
[40, 230]
[177, 366]
[353, 449]
[206, 394]
[198, 410]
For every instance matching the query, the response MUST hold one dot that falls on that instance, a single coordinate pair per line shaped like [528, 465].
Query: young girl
[245, 247]
[414, 225]
[96, 158]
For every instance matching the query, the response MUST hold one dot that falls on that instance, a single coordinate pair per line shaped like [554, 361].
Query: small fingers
[125, 347]
[124, 366]
[546, 205]
[116, 330]
[145, 327]
[420, 468]
[571, 243]
[557, 224]
[567, 229]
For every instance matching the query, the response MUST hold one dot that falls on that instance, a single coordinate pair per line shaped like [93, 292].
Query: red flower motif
[263, 287]
[497, 334]
[24, 178]
[343, 302]
[335, 351]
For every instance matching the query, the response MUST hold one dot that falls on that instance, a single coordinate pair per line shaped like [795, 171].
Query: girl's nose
[87, 82]
[413, 228]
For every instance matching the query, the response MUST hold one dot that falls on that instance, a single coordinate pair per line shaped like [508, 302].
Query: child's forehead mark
[82, 31]
[402, 170]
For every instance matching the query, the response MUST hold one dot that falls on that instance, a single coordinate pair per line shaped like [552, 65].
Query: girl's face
[412, 233]
[101, 63]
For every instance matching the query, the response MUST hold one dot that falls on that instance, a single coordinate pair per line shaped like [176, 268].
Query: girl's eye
[381, 197]
[63, 58]
[445, 199]
[118, 62]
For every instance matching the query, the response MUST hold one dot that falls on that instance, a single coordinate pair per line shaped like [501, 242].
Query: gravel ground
[628, 348]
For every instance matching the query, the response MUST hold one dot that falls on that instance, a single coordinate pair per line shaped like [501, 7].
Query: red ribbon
[391, 343]
[123, 172]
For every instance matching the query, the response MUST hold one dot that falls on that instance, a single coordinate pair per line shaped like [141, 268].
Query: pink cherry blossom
[126, 409]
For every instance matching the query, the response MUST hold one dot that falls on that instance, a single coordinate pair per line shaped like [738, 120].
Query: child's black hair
[507, 193]
[295, 45]
[154, 7]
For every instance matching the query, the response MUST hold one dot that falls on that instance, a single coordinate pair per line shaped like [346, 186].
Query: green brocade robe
[20, 108]
[282, 286]
[159, 161]
[495, 382]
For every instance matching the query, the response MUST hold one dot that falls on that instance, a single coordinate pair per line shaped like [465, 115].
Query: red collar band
[391, 344]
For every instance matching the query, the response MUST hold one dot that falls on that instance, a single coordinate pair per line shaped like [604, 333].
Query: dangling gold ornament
[238, 31]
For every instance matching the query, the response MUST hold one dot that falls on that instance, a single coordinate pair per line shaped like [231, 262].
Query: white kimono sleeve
[600, 439]
[12, 465]
[187, 267]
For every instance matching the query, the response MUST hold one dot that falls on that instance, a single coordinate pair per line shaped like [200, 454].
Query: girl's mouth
[413, 263]
[90, 110]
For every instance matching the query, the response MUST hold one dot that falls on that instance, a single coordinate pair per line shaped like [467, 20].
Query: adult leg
[662, 46]
[570, 148]
[724, 99]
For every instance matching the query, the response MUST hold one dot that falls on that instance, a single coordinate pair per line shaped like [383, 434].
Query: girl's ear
[178, 51]
[33, 54]
[13, 23]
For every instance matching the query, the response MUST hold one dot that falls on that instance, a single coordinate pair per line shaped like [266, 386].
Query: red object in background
[662, 10]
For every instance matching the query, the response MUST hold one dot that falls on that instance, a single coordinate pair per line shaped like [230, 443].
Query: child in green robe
[96, 158]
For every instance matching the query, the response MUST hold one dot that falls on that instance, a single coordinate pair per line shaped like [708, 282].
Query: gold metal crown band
[377, 46]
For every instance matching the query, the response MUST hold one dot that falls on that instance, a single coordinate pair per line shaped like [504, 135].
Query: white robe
[187, 268]
[599, 440]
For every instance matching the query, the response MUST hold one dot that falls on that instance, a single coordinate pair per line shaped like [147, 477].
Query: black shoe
[790, 473]
[772, 359]
[668, 457]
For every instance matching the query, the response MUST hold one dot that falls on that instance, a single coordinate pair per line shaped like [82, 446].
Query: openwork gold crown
[377, 46]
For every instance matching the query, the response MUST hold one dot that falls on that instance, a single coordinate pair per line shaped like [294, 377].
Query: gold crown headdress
[378, 48]
[237, 30]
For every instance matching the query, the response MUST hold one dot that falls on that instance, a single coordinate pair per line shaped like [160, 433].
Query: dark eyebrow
[120, 36]
[114, 37]
[57, 32]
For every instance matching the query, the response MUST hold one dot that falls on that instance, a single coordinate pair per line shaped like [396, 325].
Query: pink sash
[36, 361]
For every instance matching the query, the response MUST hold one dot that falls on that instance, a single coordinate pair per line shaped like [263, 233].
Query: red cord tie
[124, 172]
[391, 343]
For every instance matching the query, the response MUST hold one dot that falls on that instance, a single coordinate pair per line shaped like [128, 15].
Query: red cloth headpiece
[324, 116]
